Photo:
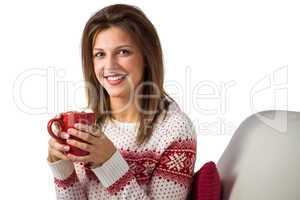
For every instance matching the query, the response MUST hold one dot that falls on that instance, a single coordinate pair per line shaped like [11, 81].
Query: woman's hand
[100, 148]
[56, 150]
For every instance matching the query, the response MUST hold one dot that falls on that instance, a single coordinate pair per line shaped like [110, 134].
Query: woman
[144, 146]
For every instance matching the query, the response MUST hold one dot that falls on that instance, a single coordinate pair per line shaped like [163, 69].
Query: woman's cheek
[138, 80]
[98, 71]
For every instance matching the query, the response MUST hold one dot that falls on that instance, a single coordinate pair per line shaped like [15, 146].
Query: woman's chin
[116, 93]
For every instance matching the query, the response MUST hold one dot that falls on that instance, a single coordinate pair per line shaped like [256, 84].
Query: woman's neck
[124, 110]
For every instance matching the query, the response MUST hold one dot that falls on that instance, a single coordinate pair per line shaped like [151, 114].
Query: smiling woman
[144, 146]
[115, 64]
[141, 61]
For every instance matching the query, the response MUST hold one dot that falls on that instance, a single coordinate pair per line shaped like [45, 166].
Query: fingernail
[66, 136]
[66, 148]
[76, 125]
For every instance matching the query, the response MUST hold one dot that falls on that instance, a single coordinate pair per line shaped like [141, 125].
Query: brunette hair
[132, 20]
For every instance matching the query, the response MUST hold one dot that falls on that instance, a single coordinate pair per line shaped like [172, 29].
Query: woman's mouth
[115, 79]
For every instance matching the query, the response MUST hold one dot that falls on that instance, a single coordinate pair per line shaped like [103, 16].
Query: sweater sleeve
[171, 178]
[66, 181]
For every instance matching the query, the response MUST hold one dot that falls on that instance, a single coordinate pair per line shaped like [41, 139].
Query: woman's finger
[58, 130]
[85, 136]
[56, 126]
[57, 146]
[58, 154]
[81, 145]
[94, 129]
[79, 158]
[63, 135]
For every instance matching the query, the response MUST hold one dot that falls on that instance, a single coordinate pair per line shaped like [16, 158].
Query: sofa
[262, 160]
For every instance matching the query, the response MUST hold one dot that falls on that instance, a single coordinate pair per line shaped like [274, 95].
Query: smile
[115, 79]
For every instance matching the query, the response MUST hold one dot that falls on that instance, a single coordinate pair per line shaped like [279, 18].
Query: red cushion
[207, 183]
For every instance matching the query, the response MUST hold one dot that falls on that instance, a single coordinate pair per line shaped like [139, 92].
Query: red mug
[66, 121]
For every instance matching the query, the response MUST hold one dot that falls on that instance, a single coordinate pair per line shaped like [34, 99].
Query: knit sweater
[161, 168]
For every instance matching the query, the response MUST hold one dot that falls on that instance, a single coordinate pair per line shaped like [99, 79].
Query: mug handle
[59, 121]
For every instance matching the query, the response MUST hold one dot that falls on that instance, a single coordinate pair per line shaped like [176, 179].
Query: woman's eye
[124, 52]
[99, 54]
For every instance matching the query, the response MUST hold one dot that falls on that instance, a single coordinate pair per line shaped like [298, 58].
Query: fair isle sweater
[161, 168]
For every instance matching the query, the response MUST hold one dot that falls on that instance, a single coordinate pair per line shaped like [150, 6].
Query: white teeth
[114, 78]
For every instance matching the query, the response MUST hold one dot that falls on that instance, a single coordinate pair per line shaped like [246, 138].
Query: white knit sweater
[161, 168]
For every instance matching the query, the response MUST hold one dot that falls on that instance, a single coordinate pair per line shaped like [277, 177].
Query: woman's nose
[110, 62]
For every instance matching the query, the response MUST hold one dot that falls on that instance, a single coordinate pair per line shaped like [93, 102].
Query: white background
[228, 51]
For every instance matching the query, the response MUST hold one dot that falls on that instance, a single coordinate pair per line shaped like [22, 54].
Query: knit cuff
[112, 170]
[61, 169]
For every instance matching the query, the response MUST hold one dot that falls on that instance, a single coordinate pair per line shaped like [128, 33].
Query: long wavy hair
[132, 20]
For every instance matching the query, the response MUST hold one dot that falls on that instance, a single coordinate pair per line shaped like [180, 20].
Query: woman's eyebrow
[118, 47]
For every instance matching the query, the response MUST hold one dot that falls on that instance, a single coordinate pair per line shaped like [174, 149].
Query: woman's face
[118, 62]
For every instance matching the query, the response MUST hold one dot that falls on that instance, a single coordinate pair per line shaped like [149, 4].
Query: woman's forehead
[112, 38]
